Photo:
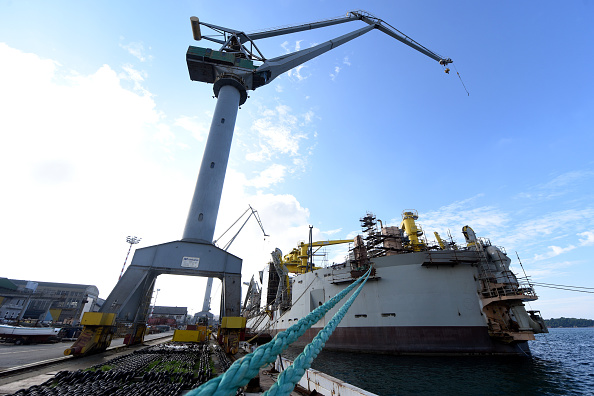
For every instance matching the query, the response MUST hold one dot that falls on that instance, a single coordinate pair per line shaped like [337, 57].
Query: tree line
[569, 322]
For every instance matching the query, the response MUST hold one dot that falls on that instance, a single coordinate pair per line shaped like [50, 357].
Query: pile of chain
[164, 369]
[224, 361]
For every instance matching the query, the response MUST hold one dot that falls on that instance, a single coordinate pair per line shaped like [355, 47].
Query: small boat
[22, 335]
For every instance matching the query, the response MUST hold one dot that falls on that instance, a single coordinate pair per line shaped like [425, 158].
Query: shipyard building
[62, 303]
[172, 316]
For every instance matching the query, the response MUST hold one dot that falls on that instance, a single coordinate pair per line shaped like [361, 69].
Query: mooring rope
[290, 377]
[283, 314]
[243, 370]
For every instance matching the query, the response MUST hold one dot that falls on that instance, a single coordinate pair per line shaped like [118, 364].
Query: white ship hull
[416, 303]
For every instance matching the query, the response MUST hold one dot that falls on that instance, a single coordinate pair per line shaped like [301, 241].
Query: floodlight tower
[132, 240]
[232, 71]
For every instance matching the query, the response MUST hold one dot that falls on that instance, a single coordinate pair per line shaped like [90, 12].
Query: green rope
[243, 370]
[290, 377]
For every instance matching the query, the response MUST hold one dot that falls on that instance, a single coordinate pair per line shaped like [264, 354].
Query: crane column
[204, 208]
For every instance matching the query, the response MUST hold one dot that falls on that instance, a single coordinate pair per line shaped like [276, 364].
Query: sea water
[560, 363]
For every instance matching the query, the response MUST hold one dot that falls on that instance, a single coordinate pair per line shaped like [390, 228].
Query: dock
[38, 373]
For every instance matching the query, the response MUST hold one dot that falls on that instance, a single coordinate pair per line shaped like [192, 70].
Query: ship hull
[417, 303]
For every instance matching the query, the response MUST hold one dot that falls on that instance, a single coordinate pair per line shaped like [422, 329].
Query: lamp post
[132, 240]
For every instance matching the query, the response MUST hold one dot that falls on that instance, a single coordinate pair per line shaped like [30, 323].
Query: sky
[102, 133]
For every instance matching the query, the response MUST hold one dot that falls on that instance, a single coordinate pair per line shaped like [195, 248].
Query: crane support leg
[96, 335]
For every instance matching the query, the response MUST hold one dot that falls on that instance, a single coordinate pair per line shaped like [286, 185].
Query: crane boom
[273, 68]
[234, 62]
[296, 260]
[297, 28]
[328, 243]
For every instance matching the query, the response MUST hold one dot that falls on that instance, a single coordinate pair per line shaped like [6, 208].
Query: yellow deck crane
[296, 260]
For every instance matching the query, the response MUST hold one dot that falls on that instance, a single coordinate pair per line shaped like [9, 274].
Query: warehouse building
[46, 301]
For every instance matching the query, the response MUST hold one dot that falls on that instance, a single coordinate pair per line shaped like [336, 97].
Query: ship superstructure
[421, 298]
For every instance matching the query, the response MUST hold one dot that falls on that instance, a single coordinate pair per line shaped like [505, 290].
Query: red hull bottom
[416, 340]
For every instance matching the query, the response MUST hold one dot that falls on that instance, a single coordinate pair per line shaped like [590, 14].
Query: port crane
[232, 71]
[205, 316]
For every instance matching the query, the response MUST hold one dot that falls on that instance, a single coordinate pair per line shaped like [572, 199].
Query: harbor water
[561, 363]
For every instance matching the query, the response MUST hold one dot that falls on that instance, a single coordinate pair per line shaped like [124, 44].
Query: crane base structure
[129, 301]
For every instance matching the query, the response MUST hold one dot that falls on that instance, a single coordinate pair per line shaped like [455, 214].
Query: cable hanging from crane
[460, 80]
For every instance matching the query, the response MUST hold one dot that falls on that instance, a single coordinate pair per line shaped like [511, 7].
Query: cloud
[336, 71]
[286, 46]
[560, 185]
[73, 166]
[544, 270]
[589, 238]
[554, 251]
[272, 175]
[278, 133]
[296, 73]
[515, 228]
[136, 49]
[332, 232]
[195, 125]
[532, 231]
[136, 77]
[308, 116]
[485, 220]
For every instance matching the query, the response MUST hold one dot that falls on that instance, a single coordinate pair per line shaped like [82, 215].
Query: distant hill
[569, 322]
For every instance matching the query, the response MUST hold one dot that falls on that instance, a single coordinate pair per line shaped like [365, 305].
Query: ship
[421, 297]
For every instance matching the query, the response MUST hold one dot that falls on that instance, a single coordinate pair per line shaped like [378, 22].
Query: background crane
[205, 317]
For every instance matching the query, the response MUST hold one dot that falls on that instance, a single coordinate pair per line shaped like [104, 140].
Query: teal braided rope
[243, 370]
[290, 377]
